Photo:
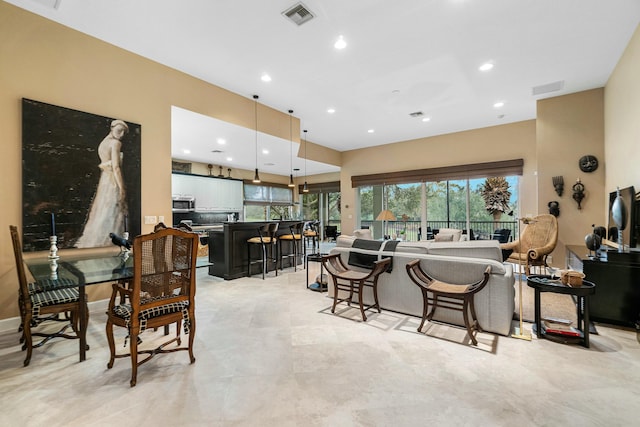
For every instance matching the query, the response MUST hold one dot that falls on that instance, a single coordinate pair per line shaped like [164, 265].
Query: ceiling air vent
[298, 13]
[217, 151]
[549, 87]
[417, 114]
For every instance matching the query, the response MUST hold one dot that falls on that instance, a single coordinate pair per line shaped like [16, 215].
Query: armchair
[161, 293]
[535, 243]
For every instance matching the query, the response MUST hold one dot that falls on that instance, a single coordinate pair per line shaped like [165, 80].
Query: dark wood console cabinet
[617, 275]
[228, 247]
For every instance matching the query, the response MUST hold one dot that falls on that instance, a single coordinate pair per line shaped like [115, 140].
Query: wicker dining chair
[41, 302]
[162, 292]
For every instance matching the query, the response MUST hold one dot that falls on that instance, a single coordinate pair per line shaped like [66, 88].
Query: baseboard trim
[13, 323]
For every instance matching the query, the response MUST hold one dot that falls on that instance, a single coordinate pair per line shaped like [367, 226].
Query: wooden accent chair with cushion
[537, 240]
[447, 295]
[161, 293]
[38, 299]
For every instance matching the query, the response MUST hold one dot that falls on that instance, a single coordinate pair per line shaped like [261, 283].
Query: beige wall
[511, 141]
[622, 121]
[569, 127]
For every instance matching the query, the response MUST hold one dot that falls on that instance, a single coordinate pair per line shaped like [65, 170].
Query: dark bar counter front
[228, 247]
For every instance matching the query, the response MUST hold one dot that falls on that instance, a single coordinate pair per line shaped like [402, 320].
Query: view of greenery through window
[322, 206]
[446, 205]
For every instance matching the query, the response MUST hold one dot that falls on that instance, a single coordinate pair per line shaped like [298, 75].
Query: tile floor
[270, 353]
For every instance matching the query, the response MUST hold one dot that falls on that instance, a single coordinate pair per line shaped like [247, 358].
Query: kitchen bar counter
[228, 247]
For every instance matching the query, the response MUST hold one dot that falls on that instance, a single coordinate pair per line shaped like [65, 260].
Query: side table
[541, 283]
[316, 257]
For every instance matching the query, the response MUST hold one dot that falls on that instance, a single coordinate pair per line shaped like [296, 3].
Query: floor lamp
[520, 334]
[384, 216]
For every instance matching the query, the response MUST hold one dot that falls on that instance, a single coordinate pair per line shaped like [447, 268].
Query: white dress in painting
[108, 208]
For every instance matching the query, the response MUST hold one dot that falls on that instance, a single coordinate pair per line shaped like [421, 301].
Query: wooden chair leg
[28, 340]
[465, 314]
[425, 308]
[112, 345]
[360, 288]
[192, 334]
[335, 294]
[178, 326]
[133, 345]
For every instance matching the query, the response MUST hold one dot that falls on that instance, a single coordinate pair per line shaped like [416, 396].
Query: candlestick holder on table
[53, 265]
[53, 249]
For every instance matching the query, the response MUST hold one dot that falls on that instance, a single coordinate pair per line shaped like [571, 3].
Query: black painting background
[60, 171]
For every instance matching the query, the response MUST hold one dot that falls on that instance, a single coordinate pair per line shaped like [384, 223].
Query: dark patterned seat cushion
[50, 284]
[52, 297]
[124, 311]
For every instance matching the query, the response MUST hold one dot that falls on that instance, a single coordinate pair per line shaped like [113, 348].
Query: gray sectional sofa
[453, 262]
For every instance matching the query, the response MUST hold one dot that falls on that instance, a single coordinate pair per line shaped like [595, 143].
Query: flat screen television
[630, 228]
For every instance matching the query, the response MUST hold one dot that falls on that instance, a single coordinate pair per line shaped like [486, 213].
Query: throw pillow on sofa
[444, 237]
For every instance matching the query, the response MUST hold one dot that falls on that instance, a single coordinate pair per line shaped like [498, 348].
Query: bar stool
[312, 234]
[266, 241]
[294, 237]
[455, 297]
[353, 281]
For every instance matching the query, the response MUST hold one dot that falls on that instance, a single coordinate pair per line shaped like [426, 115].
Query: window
[446, 207]
[267, 202]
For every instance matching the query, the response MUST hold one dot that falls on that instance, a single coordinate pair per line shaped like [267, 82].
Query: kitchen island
[228, 247]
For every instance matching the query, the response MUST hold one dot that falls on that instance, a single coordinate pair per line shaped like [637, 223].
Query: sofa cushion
[456, 233]
[344, 241]
[363, 233]
[484, 249]
[444, 237]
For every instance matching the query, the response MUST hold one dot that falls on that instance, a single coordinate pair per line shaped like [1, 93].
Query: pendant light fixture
[256, 177]
[291, 184]
[305, 188]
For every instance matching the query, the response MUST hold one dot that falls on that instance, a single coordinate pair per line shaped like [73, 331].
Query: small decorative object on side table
[319, 285]
[547, 284]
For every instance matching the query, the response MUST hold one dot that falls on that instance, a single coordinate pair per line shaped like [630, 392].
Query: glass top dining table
[80, 269]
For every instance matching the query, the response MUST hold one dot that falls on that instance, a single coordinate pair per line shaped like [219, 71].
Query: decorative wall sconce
[558, 184]
[578, 192]
[554, 208]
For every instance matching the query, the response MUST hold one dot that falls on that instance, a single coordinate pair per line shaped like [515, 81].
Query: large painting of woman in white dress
[83, 168]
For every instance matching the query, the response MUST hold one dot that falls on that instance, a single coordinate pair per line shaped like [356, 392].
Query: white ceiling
[402, 56]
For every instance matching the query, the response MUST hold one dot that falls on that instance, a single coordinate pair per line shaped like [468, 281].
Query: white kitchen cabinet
[211, 194]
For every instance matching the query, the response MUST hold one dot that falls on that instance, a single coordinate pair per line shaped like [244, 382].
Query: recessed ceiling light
[186, 151]
[265, 151]
[229, 159]
[486, 66]
[498, 104]
[426, 119]
[331, 110]
[340, 44]
[221, 141]
[265, 77]
[371, 130]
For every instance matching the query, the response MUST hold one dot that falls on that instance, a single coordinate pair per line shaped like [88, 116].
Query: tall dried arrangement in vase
[496, 195]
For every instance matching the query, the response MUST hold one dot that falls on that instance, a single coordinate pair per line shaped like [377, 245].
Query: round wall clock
[588, 163]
